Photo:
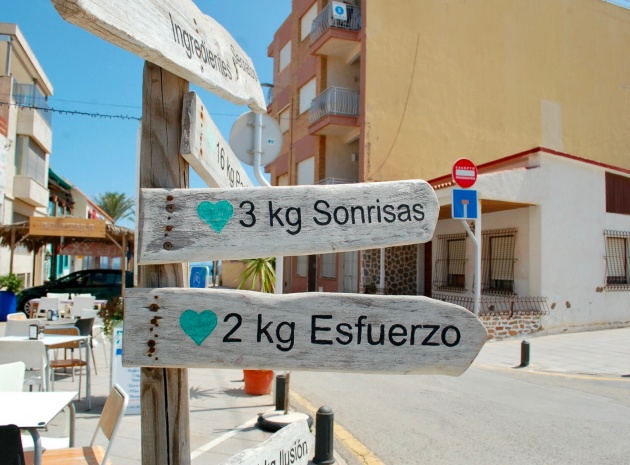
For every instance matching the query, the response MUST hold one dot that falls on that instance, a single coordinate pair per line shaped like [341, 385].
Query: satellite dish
[242, 139]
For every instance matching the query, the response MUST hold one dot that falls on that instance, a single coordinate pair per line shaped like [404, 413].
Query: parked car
[102, 284]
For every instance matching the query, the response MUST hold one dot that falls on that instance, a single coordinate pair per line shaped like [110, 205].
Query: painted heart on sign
[198, 326]
[215, 215]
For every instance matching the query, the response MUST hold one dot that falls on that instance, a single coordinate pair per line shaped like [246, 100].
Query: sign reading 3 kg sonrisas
[209, 328]
[215, 224]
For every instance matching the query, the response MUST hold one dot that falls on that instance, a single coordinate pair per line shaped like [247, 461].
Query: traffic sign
[464, 173]
[242, 138]
[176, 36]
[192, 225]
[464, 205]
[205, 149]
[224, 328]
[199, 276]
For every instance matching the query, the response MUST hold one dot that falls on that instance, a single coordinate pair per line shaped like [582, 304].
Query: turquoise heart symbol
[216, 215]
[198, 326]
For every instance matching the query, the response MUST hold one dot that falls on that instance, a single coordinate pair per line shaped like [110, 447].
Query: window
[283, 180]
[284, 120]
[307, 94]
[617, 194]
[285, 56]
[617, 260]
[306, 172]
[450, 263]
[329, 265]
[497, 261]
[301, 265]
[30, 160]
[306, 22]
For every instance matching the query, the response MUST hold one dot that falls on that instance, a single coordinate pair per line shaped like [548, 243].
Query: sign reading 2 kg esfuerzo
[182, 225]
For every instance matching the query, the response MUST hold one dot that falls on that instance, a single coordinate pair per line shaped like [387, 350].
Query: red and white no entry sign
[464, 173]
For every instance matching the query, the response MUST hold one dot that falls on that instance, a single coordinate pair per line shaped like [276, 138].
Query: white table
[33, 410]
[52, 340]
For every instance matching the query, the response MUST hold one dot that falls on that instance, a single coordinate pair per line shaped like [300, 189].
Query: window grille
[450, 263]
[329, 265]
[301, 265]
[617, 260]
[497, 261]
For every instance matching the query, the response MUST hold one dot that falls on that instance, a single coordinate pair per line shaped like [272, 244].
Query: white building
[555, 245]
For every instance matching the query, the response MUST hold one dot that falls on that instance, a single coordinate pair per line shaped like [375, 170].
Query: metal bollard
[324, 421]
[281, 391]
[524, 354]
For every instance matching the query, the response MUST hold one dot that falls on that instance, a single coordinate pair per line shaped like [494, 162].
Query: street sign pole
[465, 175]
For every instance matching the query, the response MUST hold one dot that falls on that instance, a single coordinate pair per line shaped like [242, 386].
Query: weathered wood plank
[205, 149]
[164, 392]
[177, 36]
[209, 328]
[292, 445]
[216, 224]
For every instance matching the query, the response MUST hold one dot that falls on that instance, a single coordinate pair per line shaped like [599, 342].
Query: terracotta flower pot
[258, 382]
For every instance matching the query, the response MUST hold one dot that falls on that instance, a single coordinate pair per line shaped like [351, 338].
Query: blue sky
[91, 75]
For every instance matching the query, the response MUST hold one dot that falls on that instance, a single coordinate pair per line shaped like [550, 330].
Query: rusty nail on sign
[154, 307]
[168, 245]
[170, 208]
[169, 198]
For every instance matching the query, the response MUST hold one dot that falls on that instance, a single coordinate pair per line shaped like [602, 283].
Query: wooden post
[164, 391]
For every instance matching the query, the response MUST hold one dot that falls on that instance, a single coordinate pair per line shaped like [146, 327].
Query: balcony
[30, 191]
[337, 37]
[35, 116]
[335, 112]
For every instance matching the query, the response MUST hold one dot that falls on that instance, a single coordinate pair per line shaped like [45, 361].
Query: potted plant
[259, 270]
[10, 285]
[112, 315]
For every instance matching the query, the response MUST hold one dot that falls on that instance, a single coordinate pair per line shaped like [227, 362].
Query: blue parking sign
[464, 205]
[198, 276]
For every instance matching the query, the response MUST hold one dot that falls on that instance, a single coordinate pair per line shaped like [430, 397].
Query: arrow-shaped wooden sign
[205, 149]
[185, 225]
[177, 36]
[209, 328]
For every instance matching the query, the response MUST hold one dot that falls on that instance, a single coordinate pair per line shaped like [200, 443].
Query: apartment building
[536, 93]
[25, 145]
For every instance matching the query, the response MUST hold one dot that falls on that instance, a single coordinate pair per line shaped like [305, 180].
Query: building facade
[535, 92]
[25, 145]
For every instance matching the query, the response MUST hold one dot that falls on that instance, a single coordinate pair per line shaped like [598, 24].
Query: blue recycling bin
[8, 303]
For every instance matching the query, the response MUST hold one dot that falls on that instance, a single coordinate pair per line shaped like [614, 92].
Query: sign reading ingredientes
[205, 149]
[190, 225]
[177, 36]
[212, 328]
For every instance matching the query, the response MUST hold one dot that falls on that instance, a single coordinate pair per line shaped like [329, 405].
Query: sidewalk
[602, 353]
[223, 417]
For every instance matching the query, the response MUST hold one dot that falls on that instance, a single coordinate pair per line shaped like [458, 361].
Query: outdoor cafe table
[34, 410]
[52, 340]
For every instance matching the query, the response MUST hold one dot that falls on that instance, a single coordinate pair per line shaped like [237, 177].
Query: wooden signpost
[215, 224]
[209, 328]
[292, 445]
[177, 36]
[205, 149]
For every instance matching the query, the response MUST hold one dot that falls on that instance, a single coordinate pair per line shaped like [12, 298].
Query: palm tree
[260, 269]
[115, 204]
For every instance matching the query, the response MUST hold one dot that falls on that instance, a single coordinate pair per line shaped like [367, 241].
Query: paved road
[494, 413]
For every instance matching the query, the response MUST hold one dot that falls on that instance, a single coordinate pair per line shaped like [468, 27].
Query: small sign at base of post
[292, 445]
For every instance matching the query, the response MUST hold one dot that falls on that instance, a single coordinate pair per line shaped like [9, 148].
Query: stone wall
[400, 270]
[503, 326]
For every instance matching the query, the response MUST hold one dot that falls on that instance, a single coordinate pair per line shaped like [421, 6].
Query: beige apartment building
[535, 92]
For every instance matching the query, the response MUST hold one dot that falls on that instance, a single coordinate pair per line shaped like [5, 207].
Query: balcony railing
[335, 101]
[29, 96]
[331, 181]
[325, 20]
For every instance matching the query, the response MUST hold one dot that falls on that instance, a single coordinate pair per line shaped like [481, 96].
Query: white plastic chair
[33, 354]
[19, 327]
[12, 377]
[80, 303]
[58, 295]
[45, 304]
[109, 422]
[16, 316]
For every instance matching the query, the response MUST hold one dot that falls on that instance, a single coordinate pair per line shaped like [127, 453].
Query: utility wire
[72, 112]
